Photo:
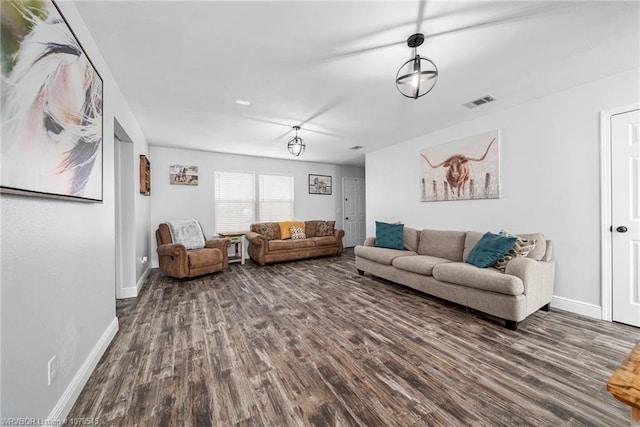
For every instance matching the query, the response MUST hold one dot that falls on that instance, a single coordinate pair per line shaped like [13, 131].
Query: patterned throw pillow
[521, 248]
[270, 230]
[325, 228]
[297, 233]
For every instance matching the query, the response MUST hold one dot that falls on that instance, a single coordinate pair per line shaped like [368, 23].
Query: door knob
[621, 229]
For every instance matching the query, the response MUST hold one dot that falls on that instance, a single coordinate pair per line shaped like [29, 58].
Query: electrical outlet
[52, 370]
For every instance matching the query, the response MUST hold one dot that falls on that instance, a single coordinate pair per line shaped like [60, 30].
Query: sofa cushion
[489, 249]
[285, 232]
[389, 235]
[541, 245]
[381, 255]
[421, 264]
[411, 238]
[310, 228]
[487, 279]
[204, 257]
[303, 244]
[325, 228]
[324, 240]
[442, 244]
[280, 245]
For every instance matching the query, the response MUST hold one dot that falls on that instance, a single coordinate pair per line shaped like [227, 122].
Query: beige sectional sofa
[433, 262]
[266, 244]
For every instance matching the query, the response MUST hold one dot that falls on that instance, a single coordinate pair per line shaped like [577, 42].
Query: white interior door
[625, 198]
[354, 211]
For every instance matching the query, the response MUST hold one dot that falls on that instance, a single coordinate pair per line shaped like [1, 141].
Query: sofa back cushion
[470, 241]
[442, 244]
[310, 228]
[411, 239]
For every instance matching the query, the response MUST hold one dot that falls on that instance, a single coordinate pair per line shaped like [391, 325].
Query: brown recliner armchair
[178, 261]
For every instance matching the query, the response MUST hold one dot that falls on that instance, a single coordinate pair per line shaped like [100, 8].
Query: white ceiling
[182, 65]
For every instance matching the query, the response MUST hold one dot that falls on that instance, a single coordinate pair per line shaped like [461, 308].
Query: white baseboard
[133, 291]
[578, 307]
[71, 393]
[141, 280]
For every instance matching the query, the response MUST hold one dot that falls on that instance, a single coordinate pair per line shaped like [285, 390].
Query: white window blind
[244, 198]
[235, 205]
[276, 198]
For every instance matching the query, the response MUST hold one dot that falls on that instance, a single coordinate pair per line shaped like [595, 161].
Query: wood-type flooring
[311, 343]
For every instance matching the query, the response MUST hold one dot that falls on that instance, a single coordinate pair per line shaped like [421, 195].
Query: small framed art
[319, 184]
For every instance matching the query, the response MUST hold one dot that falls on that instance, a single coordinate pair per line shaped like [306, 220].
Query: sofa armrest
[256, 238]
[172, 249]
[549, 252]
[339, 234]
[258, 247]
[222, 244]
[369, 241]
[537, 277]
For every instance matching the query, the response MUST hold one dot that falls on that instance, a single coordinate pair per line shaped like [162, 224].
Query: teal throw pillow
[489, 249]
[389, 235]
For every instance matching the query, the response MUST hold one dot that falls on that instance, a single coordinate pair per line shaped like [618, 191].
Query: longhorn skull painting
[461, 170]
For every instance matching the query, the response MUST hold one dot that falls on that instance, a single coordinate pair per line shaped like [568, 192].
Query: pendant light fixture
[296, 144]
[418, 75]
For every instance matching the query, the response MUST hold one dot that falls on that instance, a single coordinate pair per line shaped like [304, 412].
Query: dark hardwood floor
[312, 343]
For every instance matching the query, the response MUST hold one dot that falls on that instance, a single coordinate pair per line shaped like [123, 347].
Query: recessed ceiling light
[243, 102]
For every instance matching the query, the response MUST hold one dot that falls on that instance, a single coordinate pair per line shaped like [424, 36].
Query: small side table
[237, 239]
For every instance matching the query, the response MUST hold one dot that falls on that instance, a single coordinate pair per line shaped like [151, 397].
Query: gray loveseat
[434, 262]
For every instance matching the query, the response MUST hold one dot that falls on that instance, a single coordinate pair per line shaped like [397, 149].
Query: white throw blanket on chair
[188, 232]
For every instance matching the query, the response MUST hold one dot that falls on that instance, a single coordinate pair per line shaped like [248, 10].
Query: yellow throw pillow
[285, 228]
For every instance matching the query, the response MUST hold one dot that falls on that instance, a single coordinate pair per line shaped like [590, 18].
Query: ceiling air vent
[480, 101]
[356, 147]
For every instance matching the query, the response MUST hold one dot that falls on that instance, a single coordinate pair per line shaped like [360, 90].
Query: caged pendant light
[296, 145]
[417, 76]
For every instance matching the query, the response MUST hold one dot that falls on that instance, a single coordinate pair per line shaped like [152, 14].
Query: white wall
[180, 201]
[58, 274]
[550, 177]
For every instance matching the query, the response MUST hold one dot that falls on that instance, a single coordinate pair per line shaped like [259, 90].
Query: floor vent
[480, 101]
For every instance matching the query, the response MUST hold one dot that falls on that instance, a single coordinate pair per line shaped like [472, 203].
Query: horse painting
[51, 108]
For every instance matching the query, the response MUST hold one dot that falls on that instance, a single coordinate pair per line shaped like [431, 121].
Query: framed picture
[183, 175]
[52, 107]
[319, 184]
[461, 170]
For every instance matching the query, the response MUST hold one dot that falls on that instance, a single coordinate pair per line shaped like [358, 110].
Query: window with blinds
[235, 201]
[276, 198]
[244, 198]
